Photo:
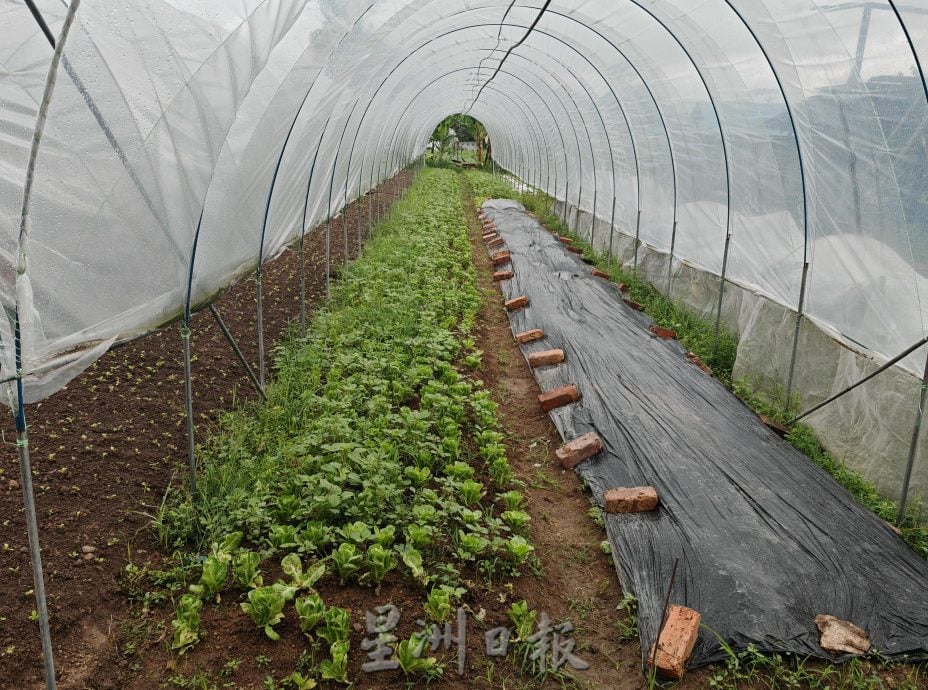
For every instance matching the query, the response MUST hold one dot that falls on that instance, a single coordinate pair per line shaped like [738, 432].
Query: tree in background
[460, 127]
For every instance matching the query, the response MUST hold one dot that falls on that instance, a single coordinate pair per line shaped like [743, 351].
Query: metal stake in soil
[913, 446]
[718, 311]
[260, 326]
[32, 529]
[188, 407]
[799, 315]
[663, 620]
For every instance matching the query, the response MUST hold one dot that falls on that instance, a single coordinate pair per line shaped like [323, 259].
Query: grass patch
[698, 335]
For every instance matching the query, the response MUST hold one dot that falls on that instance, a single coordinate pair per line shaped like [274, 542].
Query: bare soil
[105, 449]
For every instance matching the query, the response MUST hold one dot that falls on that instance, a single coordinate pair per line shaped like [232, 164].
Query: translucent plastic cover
[188, 141]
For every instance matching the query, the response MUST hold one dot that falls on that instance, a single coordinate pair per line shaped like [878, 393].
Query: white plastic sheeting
[798, 126]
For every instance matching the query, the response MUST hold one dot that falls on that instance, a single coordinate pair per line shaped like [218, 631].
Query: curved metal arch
[541, 99]
[805, 210]
[660, 113]
[413, 52]
[722, 136]
[401, 119]
[913, 446]
[412, 100]
[554, 119]
[434, 38]
[402, 126]
[608, 140]
[309, 182]
[328, 231]
[595, 106]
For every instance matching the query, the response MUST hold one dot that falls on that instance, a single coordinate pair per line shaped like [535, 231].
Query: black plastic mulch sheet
[765, 539]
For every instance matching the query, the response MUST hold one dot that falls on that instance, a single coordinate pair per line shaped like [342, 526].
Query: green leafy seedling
[310, 610]
[245, 572]
[300, 579]
[265, 605]
[346, 560]
[409, 655]
[186, 623]
[336, 667]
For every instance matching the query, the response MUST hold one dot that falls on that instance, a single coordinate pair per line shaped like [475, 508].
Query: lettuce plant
[293, 567]
[245, 572]
[336, 667]
[346, 560]
[186, 623]
[310, 610]
[265, 605]
[212, 579]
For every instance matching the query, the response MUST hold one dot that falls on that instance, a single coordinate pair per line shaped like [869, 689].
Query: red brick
[490, 235]
[579, 449]
[488, 225]
[559, 397]
[502, 275]
[675, 642]
[501, 258]
[633, 304]
[496, 242]
[662, 332]
[638, 499]
[623, 287]
[600, 274]
[564, 240]
[775, 426]
[545, 358]
[517, 303]
[529, 336]
[691, 356]
[575, 250]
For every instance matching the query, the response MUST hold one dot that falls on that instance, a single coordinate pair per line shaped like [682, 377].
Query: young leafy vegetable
[186, 623]
[245, 572]
[265, 605]
[310, 610]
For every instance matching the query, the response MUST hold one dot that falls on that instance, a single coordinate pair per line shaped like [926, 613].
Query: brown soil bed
[104, 450]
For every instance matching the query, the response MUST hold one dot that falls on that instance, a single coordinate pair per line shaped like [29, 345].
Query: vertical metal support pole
[188, 407]
[345, 227]
[593, 217]
[32, 530]
[673, 241]
[637, 241]
[566, 196]
[358, 213]
[328, 257]
[611, 231]
[913, 446]
[370, 212]
[718, 310]
[799, 314]
[260, 326]
[302, 285]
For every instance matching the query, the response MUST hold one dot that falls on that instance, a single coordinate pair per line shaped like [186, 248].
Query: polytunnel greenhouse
[398, 342]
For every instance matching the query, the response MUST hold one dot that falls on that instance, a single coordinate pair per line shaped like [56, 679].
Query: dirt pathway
[578, 581]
